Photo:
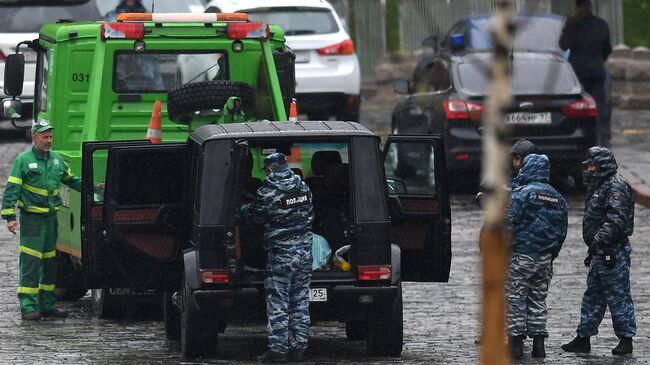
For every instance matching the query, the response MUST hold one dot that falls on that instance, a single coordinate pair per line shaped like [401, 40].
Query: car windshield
[531, 76]
[108, 7]
[159, 72]
[29, 19]
[532, 33]
[297, 21]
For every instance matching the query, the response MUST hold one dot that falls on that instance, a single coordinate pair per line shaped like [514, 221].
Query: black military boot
[272, 356]
[578, 344]
[538, 347]
[624, 346]
[517, 346]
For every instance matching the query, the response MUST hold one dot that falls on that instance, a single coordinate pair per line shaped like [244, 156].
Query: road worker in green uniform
[33, 187]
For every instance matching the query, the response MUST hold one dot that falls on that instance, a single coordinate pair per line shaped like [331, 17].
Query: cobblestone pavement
[441, 320]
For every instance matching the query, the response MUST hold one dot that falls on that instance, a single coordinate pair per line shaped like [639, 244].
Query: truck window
[159, 72]
[42, 66]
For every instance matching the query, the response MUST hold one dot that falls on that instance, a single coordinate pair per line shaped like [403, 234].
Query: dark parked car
[448, 93]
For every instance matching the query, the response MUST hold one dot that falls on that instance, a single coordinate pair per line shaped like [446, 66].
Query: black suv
[165, 221]
[449, 89]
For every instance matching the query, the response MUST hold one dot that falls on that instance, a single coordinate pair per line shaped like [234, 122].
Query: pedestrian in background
[283, 206]
[537, 219]
[586, 36]
[608, 222]
[33, 185]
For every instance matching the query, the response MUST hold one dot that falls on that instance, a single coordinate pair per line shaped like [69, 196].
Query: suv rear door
[134, 228]
[419, 205]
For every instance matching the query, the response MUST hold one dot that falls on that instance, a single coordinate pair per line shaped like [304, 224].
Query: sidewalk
[631, 146]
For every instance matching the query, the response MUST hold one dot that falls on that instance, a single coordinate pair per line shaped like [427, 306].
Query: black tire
[106, 305]
[172, 315]
[356, 330]
[69, 283]
[386, 328]
[183, 101]
[349, 113]
[199, 336]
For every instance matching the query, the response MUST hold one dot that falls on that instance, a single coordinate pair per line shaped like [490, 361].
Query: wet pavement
[441, 321]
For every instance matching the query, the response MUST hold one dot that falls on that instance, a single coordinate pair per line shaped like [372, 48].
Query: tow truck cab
[166, 221]
[98, 81]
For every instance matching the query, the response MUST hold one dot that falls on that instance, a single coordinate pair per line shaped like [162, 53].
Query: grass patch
[636, 14]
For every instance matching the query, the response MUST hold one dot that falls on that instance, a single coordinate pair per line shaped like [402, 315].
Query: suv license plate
[302, 57]
[318, 295]
[528, 118]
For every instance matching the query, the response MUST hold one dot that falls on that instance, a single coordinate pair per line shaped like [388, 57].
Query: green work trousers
[37, 262]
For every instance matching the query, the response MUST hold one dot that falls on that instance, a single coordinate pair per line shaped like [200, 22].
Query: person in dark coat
[608, 222]
[538, 221]
[587, 37]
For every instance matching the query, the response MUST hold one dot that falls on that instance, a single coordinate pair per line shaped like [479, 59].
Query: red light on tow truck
[122, 31]
[252, 30]
[214, 276]
[372, 273]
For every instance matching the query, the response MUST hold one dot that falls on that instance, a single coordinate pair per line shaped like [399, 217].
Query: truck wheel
[105, 304]
[386, 328]
[356, 330]
[69, 282]
[172, 316]
[183, 101]
[199, 336]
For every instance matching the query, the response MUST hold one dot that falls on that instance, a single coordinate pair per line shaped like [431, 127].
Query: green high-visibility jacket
[34, 182]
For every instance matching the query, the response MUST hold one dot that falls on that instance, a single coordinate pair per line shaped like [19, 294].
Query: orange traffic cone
[293, 111]
[154, 133]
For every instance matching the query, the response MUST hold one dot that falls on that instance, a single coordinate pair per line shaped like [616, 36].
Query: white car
[328, 77]
[22, 22]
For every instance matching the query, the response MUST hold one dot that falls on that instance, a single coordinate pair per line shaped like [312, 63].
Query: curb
[639, 188]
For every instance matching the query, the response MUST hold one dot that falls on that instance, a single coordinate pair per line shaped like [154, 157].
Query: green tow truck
[98, 81]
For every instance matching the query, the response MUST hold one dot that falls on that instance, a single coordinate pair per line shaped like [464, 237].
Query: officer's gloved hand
[588, 260]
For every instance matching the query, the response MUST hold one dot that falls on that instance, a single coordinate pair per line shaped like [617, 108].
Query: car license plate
[528, 118]
[302, 57]
[318, 295]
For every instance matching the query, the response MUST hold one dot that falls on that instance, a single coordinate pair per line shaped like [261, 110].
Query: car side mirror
[457, 42]
[402, 87]
[12, 108]
[14, 74]
[431, 42]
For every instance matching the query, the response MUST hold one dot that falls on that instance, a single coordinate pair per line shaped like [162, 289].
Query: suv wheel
[356, 330]
[172, 315]
[183, 101]
[199, 336]
[386, 328]
[105, 304]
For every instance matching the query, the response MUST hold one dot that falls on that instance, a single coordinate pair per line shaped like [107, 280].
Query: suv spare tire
[183, 101]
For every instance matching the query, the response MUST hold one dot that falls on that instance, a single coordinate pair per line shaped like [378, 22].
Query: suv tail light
[214, 276]
[581, 108]
[122, 30]
[372, 273]
[2, 56]
[461, 109]
[340, 49]
[254, 30]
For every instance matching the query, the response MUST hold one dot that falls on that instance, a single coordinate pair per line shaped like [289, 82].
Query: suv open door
[419, 205]
[135, 223]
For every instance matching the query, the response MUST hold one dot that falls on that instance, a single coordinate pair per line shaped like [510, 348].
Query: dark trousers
[596, 87]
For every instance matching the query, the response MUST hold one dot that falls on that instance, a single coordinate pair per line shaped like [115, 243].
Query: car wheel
[349, 113]
[184, 101]
[386, 328]
[172, 316]
[199, 336]
[356, 330]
